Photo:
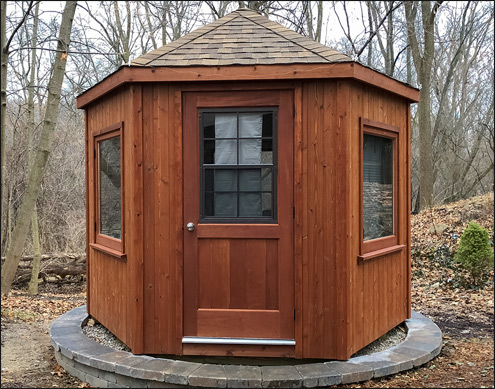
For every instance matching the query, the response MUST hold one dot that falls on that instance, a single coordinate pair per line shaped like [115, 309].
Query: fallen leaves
[17, 305]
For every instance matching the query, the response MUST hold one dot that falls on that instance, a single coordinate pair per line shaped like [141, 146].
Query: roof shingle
[242, 37]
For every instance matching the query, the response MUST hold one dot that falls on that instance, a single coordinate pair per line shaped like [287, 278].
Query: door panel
[238, 273]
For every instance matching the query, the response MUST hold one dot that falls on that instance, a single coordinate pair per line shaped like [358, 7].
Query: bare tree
[423, 59]
[33, 283]
[463, 99]
[45, 146]
[4, 58]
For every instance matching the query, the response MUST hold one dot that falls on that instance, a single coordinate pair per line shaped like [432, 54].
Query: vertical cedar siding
[380, 287]
[108, 277]
[345, 305]
[324, 209]
[115, 290]
[162, 241]
[133, 189]
[341, 305]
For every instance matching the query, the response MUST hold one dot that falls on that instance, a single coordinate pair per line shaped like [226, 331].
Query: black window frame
[274, 166]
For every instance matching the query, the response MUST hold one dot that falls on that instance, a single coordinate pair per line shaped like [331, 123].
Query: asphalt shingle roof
[242, 37]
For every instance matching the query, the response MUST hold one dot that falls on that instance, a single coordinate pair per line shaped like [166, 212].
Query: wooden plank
[238, 323]
[205, 256]
[149, 214]
[246, 73]
[218, 284]
[285, 199]
[303, 346]
[342, 189]
[271, 274]
[135, 162]
[308, 295]
[358, 273]
[256, 274]
[382, 81]
[369, 294]
[330, 174]
[238, 269]
[161, 225]
[176, 204]
[298, 222]
[191, 213]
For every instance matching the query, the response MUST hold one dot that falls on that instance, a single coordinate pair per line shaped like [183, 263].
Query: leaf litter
[465, 315]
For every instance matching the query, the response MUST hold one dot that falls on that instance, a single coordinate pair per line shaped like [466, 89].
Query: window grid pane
[237, 181]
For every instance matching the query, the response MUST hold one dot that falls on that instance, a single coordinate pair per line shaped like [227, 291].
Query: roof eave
[352, 70]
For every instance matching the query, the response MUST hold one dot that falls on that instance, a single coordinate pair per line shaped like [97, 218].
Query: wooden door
[238, 193]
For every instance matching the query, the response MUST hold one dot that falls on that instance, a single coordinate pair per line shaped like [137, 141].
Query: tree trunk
[370, 34]
[33, 282]
[319, 21]
[425, 145]
[164, 22]
[35, 272]
[45, 146]
[423, 64]
[3, 98]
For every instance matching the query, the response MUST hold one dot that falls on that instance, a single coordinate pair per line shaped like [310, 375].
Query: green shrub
[475, 254]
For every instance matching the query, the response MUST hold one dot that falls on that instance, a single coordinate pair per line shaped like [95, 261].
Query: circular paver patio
[103, 367]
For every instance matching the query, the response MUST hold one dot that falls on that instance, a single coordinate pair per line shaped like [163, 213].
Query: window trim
[107, 244]
[375, 248]
[274, 166]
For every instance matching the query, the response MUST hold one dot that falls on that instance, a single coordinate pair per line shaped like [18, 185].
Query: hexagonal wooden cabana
[248, 195]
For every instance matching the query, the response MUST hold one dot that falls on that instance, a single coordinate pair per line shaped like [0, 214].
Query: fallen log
[52, 256]
[53, 267]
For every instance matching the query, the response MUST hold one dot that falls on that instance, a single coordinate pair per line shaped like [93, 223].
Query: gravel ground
[395, 336]
[100, 334]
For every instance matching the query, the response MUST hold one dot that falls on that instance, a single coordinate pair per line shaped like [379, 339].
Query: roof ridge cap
[291, 31]
[228, 18]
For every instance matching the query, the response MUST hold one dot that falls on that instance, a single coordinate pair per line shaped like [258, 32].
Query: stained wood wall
[341, 305]
[380, 288]
[322, 206]
[162, 237]
[114, 289]
[345, 305]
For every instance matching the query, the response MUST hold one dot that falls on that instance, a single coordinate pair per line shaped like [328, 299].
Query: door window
[238, 165]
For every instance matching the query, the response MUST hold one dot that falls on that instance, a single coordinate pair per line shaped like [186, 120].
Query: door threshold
[251, 341]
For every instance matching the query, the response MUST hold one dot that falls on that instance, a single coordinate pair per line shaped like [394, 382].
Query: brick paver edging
[103, 367]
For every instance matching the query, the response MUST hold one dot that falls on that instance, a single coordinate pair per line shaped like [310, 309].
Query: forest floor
[464, 313]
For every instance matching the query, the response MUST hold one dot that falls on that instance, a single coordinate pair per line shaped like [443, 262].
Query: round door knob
[190, 226]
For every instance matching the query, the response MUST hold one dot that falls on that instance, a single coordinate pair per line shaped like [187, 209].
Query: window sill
[380, 253]
[109, 251]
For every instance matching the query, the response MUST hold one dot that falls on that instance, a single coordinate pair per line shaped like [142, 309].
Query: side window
[379, 184]
[238, 165]
[378, 187]
[108, 184]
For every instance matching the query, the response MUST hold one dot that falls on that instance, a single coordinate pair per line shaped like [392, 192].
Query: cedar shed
[248, 194]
